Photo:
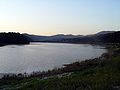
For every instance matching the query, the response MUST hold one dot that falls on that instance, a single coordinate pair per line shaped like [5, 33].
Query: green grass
[106, 77]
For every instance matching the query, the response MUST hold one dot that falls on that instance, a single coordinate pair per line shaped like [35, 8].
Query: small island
[12, 38]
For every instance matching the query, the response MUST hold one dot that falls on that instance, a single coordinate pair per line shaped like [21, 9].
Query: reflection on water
[44, 56]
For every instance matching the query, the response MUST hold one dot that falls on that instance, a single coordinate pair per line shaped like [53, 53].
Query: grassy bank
[97, 74]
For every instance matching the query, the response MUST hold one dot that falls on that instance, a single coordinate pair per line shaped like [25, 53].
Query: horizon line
[54, 34]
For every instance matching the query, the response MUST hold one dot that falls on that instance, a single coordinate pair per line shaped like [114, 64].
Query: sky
[49, 17]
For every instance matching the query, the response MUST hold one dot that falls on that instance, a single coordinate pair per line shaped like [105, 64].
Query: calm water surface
[44, 56]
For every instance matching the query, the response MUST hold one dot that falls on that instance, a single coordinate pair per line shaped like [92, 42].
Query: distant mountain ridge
[58, 37]
[104, 32]
[100, 37]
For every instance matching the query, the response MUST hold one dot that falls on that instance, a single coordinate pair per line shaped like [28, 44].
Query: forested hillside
[13, 38]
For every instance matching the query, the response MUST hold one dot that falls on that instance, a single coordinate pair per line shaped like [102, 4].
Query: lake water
[44, 56]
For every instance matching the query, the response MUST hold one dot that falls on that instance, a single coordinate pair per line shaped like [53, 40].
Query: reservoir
[44, 56]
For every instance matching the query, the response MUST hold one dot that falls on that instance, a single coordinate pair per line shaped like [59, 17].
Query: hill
[13, 38]
[104, 32]
[100, 37]
[54, 38]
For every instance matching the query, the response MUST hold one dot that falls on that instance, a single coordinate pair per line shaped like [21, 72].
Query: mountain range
[100, 37]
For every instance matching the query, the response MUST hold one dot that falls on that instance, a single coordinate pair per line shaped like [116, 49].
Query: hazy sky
[47, 17]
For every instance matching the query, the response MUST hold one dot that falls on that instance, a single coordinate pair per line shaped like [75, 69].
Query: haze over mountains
[93, 38]
[101, 37]
[57, 37]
